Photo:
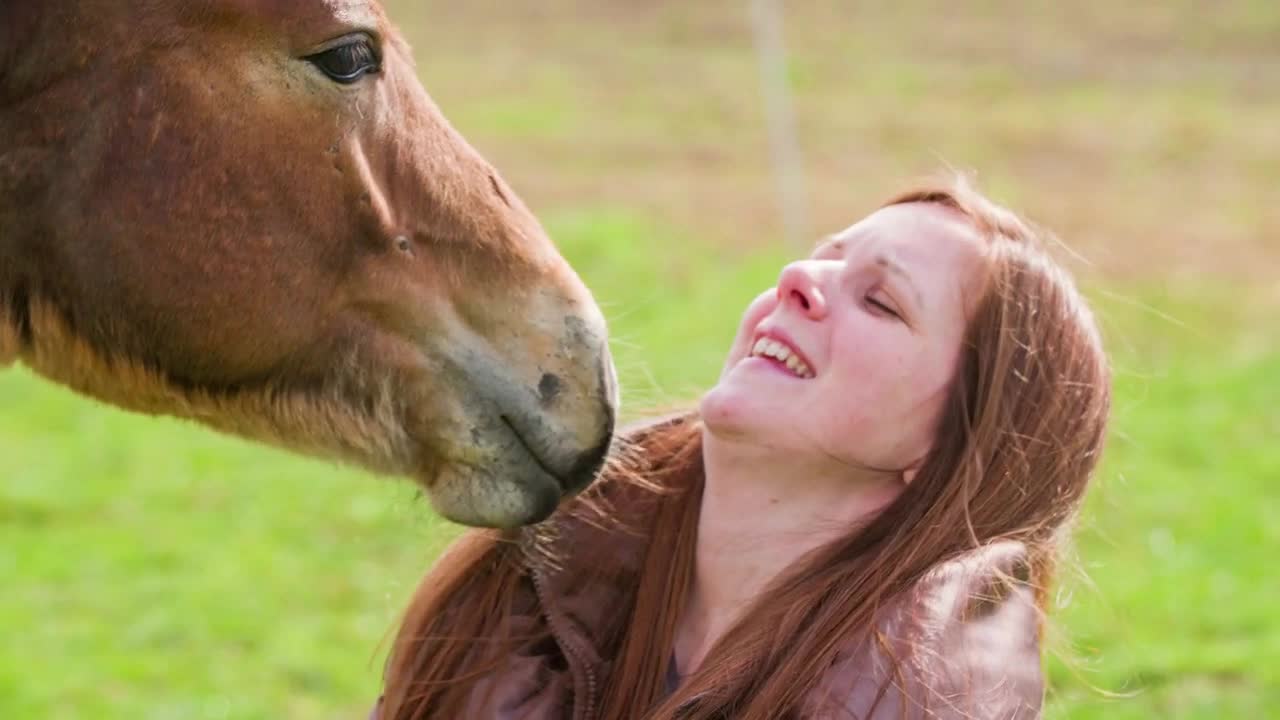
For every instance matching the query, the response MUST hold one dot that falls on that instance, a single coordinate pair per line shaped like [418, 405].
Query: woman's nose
[798, 287]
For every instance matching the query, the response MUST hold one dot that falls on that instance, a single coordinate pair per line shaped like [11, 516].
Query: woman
[860, 520]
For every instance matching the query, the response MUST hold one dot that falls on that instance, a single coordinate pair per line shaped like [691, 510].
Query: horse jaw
[9, 338]
[318, 423]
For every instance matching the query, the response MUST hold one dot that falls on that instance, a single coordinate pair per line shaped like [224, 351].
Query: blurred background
[150, 569]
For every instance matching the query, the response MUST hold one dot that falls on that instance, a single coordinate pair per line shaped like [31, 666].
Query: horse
[251, 215]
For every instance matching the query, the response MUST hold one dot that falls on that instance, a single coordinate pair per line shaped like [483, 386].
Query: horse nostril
[549, 388]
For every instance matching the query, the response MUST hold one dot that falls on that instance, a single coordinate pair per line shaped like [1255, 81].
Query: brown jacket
[973, 623]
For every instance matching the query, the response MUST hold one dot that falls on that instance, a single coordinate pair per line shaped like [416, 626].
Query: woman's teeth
[765, 347]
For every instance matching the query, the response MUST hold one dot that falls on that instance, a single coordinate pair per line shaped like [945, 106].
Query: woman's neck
[761, 512]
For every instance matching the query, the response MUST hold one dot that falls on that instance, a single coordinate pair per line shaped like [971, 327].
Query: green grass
[1177, 612]
[150, 569]
[154, 570]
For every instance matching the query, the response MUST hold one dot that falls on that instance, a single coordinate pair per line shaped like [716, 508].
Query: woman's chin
[730, 411]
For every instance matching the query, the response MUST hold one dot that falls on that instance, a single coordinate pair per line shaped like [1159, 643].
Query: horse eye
[347, 63]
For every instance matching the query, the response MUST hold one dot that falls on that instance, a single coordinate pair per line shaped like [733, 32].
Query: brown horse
[249, 213]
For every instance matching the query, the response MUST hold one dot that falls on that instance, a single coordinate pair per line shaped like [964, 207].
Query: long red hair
[1017, 443]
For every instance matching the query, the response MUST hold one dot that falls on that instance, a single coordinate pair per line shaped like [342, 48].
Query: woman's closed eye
[881, 306]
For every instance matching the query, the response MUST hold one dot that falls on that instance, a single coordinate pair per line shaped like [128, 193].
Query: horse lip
[586, 465]
[567, 445]
[537, 459]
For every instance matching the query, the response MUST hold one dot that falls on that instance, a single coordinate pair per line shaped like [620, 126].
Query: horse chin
[503, 497]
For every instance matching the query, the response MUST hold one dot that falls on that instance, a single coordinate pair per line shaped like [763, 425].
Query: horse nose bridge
[452, 197]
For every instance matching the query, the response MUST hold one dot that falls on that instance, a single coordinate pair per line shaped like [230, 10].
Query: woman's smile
[778, 351]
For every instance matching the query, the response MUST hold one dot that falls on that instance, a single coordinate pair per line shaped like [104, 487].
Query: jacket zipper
[582, 710]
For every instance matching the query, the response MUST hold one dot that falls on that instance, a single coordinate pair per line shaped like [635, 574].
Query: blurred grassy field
[149, 569]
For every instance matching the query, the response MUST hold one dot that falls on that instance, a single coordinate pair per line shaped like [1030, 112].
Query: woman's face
[850, 356]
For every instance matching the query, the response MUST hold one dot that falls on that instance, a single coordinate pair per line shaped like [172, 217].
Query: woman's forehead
[909, 229]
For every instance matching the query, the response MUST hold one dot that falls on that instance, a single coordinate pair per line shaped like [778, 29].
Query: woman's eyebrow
[889, 264]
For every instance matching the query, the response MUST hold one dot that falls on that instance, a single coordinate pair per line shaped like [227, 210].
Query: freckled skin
[195, 220]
